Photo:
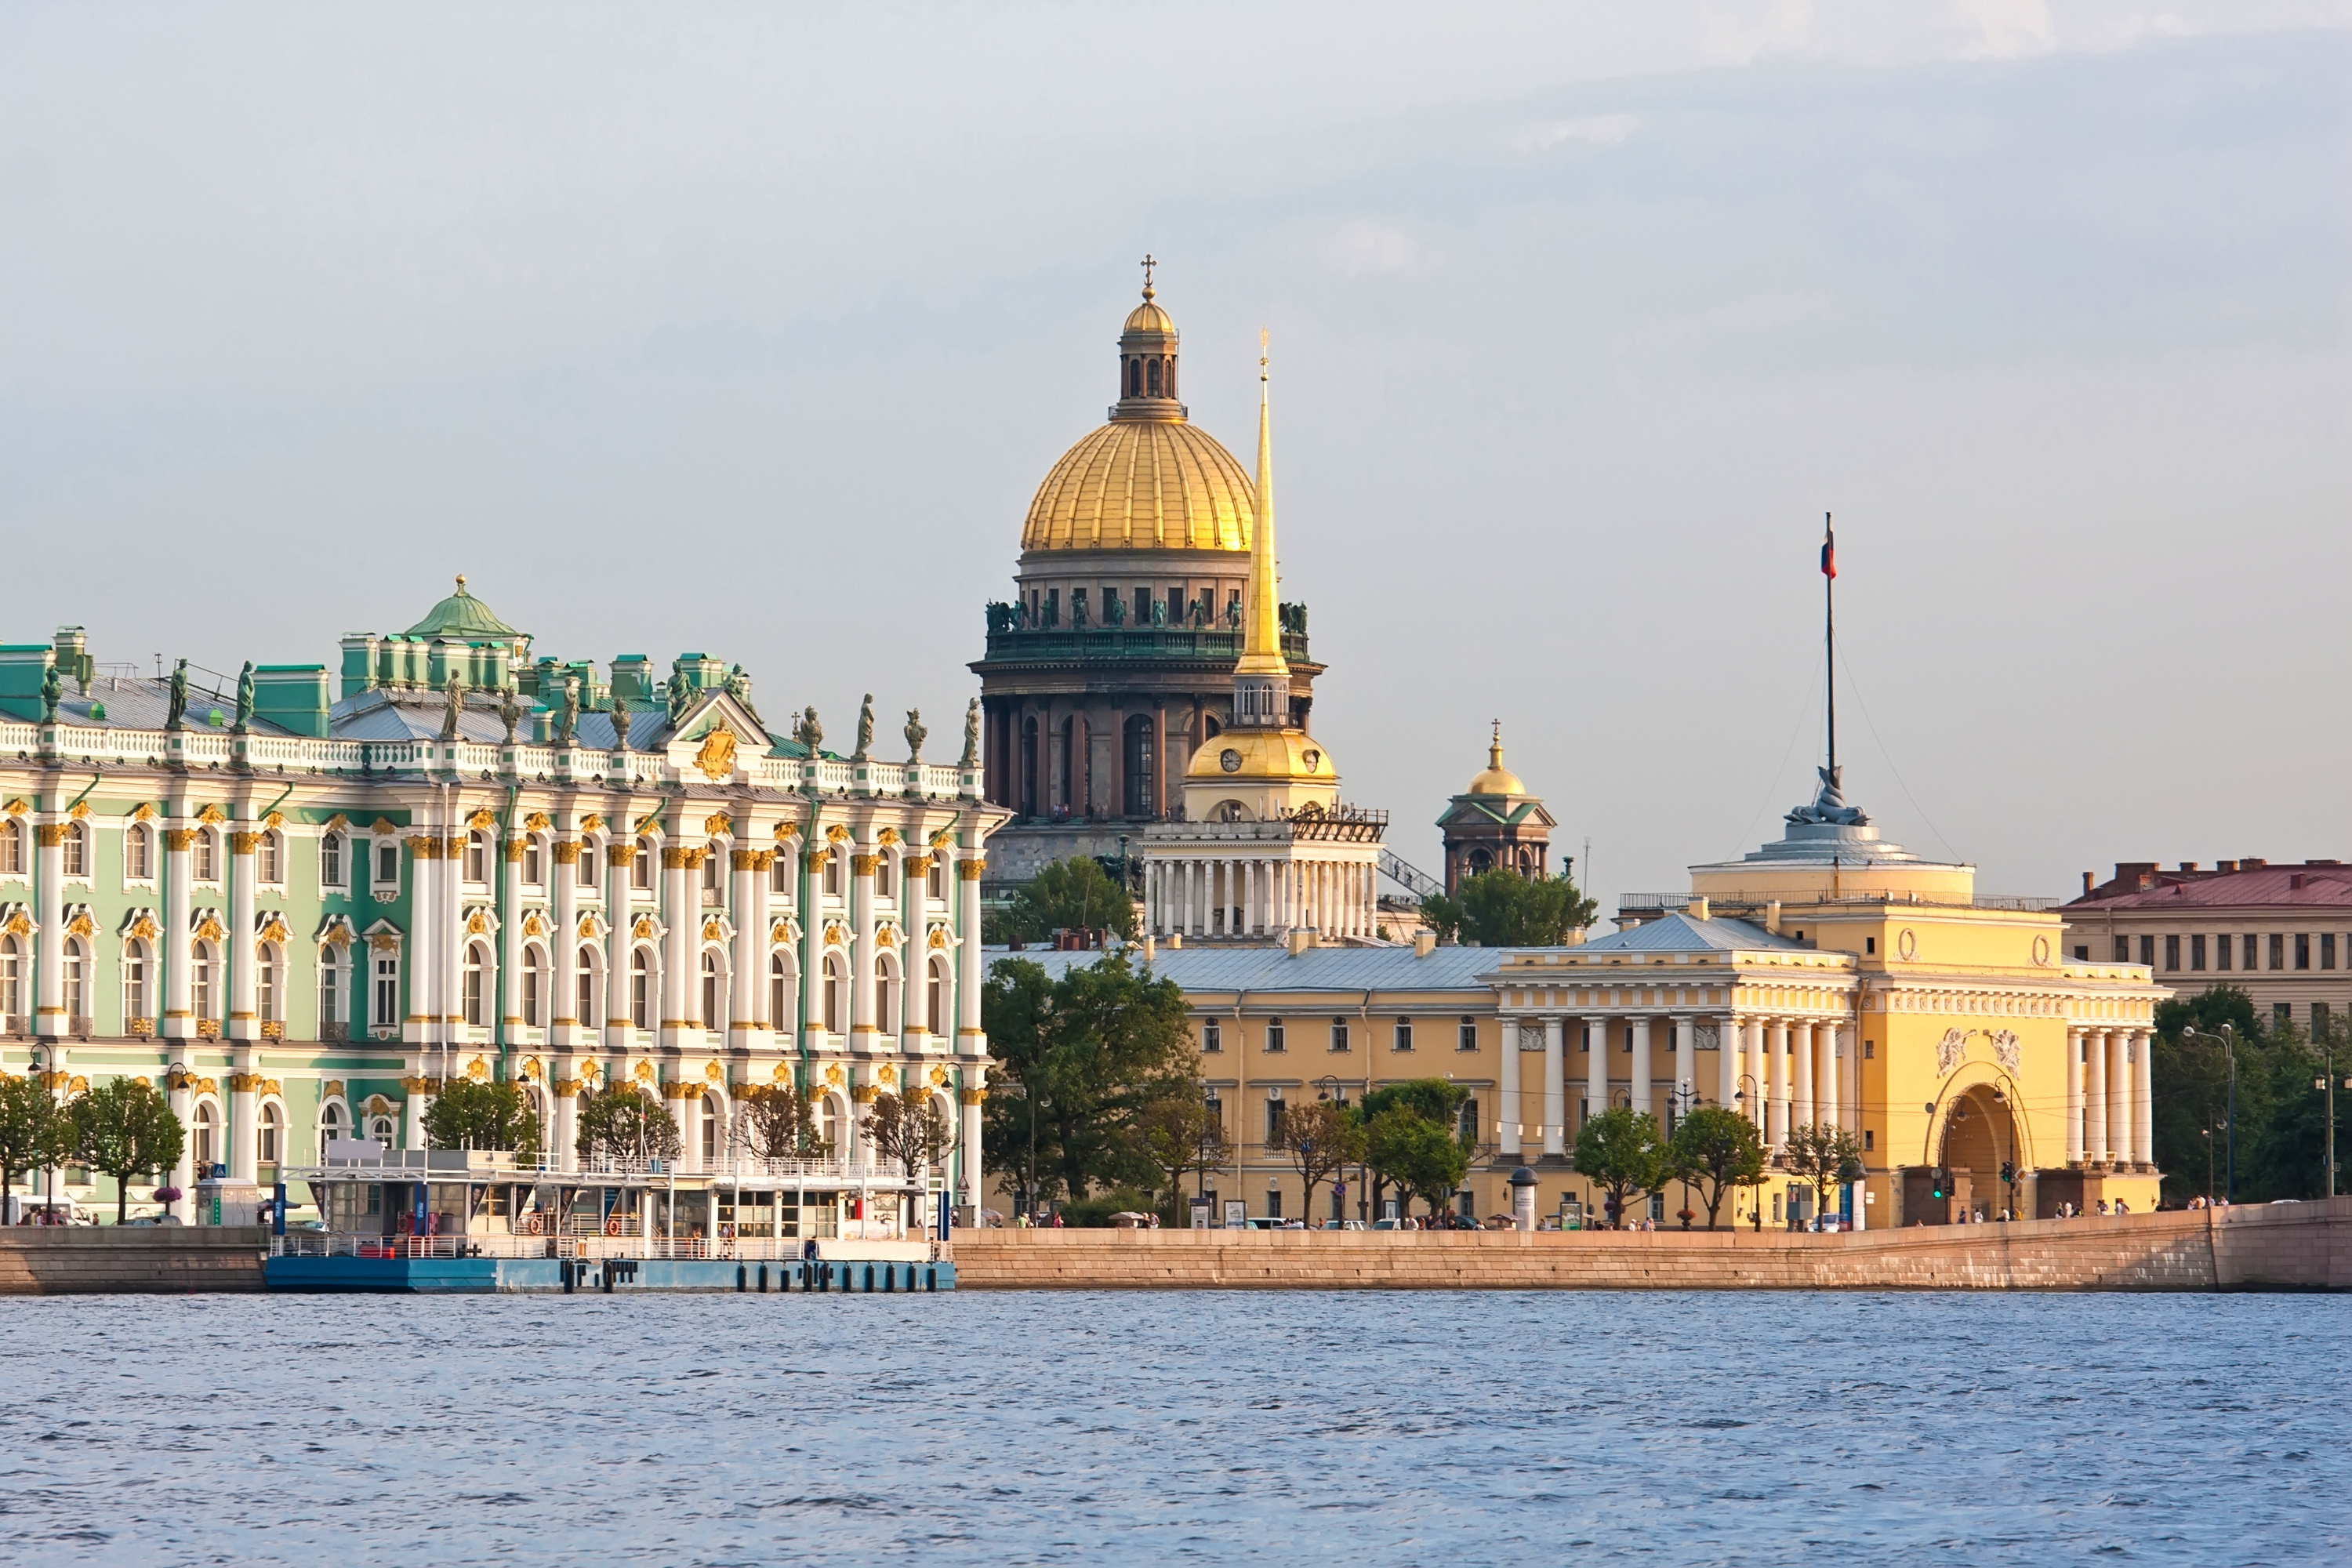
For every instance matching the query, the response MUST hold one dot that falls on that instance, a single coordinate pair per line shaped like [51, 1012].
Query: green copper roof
[462, 616]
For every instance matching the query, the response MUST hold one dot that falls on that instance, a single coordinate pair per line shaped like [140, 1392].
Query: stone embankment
[98, 1261]
[2297, 1246]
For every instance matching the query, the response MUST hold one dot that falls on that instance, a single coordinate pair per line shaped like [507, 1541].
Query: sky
[751, 330]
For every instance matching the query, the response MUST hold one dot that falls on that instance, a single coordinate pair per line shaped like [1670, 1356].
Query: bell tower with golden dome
[1113, 660]
[1495, 824]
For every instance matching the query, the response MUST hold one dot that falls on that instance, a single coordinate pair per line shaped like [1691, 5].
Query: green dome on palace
[462, 616]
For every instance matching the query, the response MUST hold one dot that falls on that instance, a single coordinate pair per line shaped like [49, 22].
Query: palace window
[330, 860]
[584, 867]
[204, 854]
[12, 979]
[710, 1018]
[2302, 950]
[2328, 950]
[76, 996]
[2250, 964]
[1466, 1036]
[2221, 946]
[2196, 952]
[2278, 950]
[834, 874]
[710, 868]
[935, 1004]
[134, 982]
[2171, 953]
[200, 982]
[779, 875]
[1403, 1041]
[478, 856]
[265, 1142]
[641, 991]
[780, 991]
[268, 863]
[475, 960]
[75, 844]
[267, 976]
[1273, 1041]
[138, 864]
[387, 991]
[2123, 949]
[1273, 1121]
[534, 863]
[11, 848]
[2147, 950]
[387, 864]
[833, 983]
[1212, 1036]
[330, 986]
[206, 1143]
[641, 864]
[534, 987]
[585, 1005]
[1338, 1034]
[935, 884]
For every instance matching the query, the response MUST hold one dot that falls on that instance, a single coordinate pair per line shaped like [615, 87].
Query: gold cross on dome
[1148, 265]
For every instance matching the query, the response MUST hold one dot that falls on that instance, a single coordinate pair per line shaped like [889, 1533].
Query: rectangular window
[534, 864]
[330, 860]
[1869, 1140]
[1176, 606]
[1404, 1034]
[1338, 1034]
[2083, 953]
[1212, 1036]
[1274, 1034]
[1274, 1202]
[1467, 1038]
[2196, 952]
[2171, 953]
[2283, 1012]
[2278, 950]
[2251, 964]
[2302, 950]
[387, 994]
[530, 976]
[1274, 1120]
[2221, 946]
[2328, 950]
[779, 875]
[2147, 950]
[2319, 1020]
[2123, 949]
[1869, 1050]
[387, 863]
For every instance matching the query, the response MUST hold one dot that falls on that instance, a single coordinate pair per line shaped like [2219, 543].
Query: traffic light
[2008, 1170]
[1939, 1191]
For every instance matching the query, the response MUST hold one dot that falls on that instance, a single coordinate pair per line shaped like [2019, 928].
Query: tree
[124, 1128]
[1715, 1150]
[1503, 908]
[1182, 1134]
[1090, 1051]
[1075, 894]
[781, 1123]
[471, 1114]
[34, 1132]
[626, 1123]
[907, 1129]
[1319, 1137]
[1618, 1150]
[1423, 1158]
[1817, 1151]
[1436, 1100]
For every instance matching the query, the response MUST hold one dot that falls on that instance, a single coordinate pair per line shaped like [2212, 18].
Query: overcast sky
[751, 330]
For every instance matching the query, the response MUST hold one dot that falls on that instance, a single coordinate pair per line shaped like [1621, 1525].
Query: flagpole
[1829, 610]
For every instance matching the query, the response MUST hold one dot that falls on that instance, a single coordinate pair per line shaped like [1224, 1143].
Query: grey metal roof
[140, 703]
[1679, 932]
[1317, 969]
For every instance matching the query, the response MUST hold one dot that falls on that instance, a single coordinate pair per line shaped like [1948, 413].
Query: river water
[1200, 1427]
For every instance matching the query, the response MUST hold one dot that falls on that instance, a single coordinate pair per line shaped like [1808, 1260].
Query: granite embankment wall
[96, 1260]
[2300, 1247]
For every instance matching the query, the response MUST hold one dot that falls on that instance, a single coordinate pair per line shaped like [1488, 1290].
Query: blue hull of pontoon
[485, 1276]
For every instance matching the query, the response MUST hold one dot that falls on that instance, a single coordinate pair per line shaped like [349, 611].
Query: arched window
[1151, 378]
[269, 974]
[1170, 381]
[711, 864]
[534, 985]
[478, 856]
[269, 859]
[138, 974]
[330, 860]
[779, 874]
[712, 1018]
[331, 1125]
[828, 1120]
[205, 1142]
[75, 844]
[382, 1130]
[265, 1134]
[834, 981]
[204, 856]
[889, 995]
[1134, 378]
[641, 866]
[138, 853]
[77, 983]
[641, 995]
[586, 865]
[12, 982]
[779, 990]
[935, 1001]
[11, 848]
[476, 959]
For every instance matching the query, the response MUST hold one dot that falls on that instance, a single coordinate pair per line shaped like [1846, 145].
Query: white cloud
[2006, 28]
[1591, 129]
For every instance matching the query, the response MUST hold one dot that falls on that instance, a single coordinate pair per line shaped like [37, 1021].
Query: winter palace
[301, 902]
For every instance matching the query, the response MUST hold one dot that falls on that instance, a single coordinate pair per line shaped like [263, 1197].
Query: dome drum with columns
[1111, 663]
[1495, 824]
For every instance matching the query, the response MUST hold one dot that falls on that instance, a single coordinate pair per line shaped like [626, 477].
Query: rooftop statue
[1114, 610]
[1829, 806]
[1234, 614]
[51, 690]
[510, 712]
[1158, 611]
[1077, 609]
[738, 687]
[679, 694]
[970, 737]
[567, 712]
[244, 698]
[452, 703]
[620, 721]
[915, 733]
[865, 729]
[175, 716]
[808, 731]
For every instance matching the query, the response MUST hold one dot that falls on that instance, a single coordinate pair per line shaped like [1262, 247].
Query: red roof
[2318, 884]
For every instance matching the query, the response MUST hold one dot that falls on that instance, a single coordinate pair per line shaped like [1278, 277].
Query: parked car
[1343, 1224]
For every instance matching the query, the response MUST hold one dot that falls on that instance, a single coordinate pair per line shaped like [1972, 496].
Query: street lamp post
[2229, 1041]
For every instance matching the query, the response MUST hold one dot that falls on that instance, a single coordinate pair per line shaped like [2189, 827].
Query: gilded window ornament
[717, 757]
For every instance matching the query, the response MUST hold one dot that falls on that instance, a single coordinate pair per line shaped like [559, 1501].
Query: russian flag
[1829, 547]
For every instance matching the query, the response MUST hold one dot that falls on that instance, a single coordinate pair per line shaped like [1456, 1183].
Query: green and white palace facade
[302, 904]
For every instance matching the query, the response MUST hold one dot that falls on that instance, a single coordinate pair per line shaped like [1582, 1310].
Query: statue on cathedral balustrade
[1201, 612]
[1158, 611]
[1114, 610]
[1233, 615]
[865, 729]
[970, 737]
[1077, 609]
[914, 734]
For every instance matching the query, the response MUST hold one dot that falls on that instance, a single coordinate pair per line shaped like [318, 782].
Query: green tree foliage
[1075, 894]
[1320, 1137]
[1715, 1150]
[907, 1129]
[34, 1132]
[1621, 1151]
[1181, 1136]
[781, 1123]
[1089, 1052]
[124, 1128]
[2282, 1111]
[1817, 1152]
[1425, 1159]
[1435, 1100]
[1503, 908]
[468, 1114]
[626, 1123]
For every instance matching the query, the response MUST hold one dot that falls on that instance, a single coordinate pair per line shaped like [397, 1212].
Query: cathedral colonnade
[1252, 895]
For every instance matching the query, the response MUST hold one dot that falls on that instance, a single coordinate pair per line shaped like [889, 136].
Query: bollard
[930, 1279]
[764, 1280]
[869, 1279]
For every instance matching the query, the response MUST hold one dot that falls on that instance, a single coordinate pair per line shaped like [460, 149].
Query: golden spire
[1262, 638]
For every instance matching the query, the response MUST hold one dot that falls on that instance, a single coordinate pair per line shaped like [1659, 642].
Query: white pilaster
[1641, 1098]
[1555, 1104]
[1509, 1112]
[244, 1022]
[565, 1028]
[1685, 1063]
[2095, 1097]
[1800, 1061]
[1596, 1068]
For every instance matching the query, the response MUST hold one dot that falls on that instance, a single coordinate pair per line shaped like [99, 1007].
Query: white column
[2095, 1097]
[620, 855]
[564, 1091]
[1800, 1063]
[970, 1039]
[2074, 1053]
[243, 1101]
[1641, 1098]
[1555, 1084]
[1596, 1068]
[1760, 1091]
[1778, 1097]
[564, 1028]
[1827, 1039]
[510, 937]
[748, 996]
[681, 897]
[453, 932]
[1685, 1063]
[1727, 1067]
[2119, 1107]
[177, 951]
[243, 1021]
[2143, 1099]
[1510, 1108]
[968, 1143]
[862, 1036]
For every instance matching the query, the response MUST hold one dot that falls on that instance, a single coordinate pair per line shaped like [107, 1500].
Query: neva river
[1211, 1427]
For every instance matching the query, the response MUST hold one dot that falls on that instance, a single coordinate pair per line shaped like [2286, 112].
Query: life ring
[613, 1226]
[533, 1225]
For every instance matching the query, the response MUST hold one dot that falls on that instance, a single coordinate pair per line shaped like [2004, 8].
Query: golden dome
[1149, 318]
[1257, 756]
[1143, 484]
[1497, 779]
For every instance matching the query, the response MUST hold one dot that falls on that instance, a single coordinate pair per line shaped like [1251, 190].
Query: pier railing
[720, 1250]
